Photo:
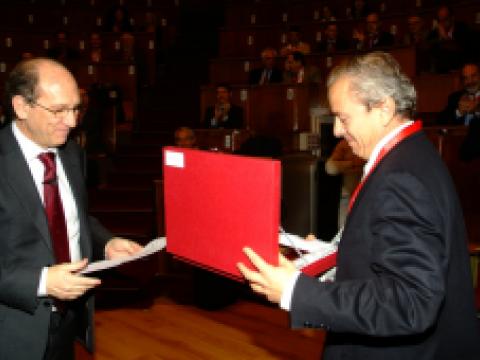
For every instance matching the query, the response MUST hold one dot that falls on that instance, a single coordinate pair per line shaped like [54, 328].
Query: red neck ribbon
[402, 135]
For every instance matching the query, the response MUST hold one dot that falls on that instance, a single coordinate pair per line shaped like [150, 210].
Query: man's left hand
[119, 247]
[269, 280]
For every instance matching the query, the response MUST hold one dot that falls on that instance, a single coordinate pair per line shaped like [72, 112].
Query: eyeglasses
[60, 113]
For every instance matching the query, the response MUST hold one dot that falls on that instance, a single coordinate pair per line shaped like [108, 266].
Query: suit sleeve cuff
[286, 299]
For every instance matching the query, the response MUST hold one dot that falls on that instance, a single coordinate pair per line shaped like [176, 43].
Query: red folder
[216, 204]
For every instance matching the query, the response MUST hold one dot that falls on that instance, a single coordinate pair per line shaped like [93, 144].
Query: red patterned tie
[54, 209]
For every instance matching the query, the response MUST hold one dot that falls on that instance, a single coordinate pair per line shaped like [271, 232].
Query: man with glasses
[463, 106]
[403, 285]
[47, 235]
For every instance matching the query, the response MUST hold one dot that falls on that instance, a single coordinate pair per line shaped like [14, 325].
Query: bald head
[185, 137]
[44, 100]
[25, 77]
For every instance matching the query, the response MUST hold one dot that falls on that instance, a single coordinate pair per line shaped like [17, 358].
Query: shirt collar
[376, 150]
[29, 148]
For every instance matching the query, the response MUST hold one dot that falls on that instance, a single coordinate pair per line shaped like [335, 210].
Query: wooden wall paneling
[232, 70]
[433, 91]
[10, 45]
[465, 175]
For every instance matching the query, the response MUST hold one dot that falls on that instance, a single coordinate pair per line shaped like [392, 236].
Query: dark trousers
[61, 336]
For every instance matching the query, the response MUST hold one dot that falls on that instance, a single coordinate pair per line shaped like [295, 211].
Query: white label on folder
[174, 159]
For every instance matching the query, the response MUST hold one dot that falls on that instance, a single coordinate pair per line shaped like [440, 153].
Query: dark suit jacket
[470, 148]
[447, 55]
[403, 288]
[339, 45]
[26, 248]
[233, 121]
[448, 115]
[384, 39]
[256, 74]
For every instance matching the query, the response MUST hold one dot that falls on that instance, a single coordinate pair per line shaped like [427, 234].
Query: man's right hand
[64, 283]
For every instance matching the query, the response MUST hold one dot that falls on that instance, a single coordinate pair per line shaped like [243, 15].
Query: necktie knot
[48, 160]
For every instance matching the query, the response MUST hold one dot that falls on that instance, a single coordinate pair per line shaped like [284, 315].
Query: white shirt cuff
[42, 286]
[286, 299]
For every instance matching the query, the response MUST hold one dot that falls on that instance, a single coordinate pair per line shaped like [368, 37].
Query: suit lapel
[74, 175]
[18, 175]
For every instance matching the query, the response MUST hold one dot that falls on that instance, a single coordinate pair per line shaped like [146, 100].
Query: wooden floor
[165, 326]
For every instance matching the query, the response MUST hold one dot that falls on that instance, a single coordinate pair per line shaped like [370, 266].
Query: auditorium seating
[235, 70]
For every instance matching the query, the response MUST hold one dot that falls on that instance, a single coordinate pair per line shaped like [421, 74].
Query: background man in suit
[268, 73]
[294, 42]
[298, 72]
[224, 114]
[44, 302]
[332, 42]
[403, 287]
[463, 106]
[451, 42]
[373, 37]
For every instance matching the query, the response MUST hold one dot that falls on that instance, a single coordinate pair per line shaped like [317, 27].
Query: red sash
[402, 135]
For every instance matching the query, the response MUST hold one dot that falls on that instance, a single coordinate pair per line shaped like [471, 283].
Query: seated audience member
[185, 137]
[294, 42]
[223, 114]
[95, 53]
[327, 14]
[127, 41]
[151, 25]
[62, 51]
[297, 72]
[118, 20]
[449, 42]
[416, 36]
[344, 162]
[416, 33]
[331, 42]
[373, 37]
[268, 73]
[464, 105]
[359, 10]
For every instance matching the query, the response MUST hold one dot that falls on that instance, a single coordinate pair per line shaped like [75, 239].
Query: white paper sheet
[152, 247]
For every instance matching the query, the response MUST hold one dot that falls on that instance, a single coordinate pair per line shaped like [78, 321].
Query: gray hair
[374, 77]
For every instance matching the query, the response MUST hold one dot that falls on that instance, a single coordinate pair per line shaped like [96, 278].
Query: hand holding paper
[152, 247]
[119, 247]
